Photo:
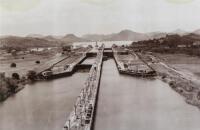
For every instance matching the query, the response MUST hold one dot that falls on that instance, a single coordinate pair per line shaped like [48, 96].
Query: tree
[13, 65]
[15, 76]
[89, 46]
[37, 62]
[14, 53]
[67, 48]
[125, 65]
[198, 95]
[32, 75]
[11, 84]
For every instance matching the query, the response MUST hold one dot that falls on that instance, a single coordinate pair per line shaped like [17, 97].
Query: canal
[128, 103]
[89, 60]
[43, 105]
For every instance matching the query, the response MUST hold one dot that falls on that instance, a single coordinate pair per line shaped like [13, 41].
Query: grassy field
[24, 62]
[190, 65]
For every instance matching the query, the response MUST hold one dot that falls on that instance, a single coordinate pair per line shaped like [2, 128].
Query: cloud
[97, 16]
[18, 5]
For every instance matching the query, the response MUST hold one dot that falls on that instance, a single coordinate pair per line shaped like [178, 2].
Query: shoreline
[8, 93]
[183, 86]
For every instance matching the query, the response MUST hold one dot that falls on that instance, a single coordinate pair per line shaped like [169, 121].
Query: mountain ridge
[124, 35]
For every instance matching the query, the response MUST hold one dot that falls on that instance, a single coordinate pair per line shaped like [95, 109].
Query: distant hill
[25, 42]
[124, 35]
[192, 36]
[95, 37]
[156, 35]
[50, 38]
[35, 35]
[38, 41]
[70, 38]
[196, 32]
[179, 32]
[171, 41]
[127, 35]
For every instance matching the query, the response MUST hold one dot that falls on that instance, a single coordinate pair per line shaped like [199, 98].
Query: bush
[164, 76]
[198, 95]
[23, 78]
[15, 76]
[189, 88]
[32, 75]
[11, 84]
[13, 65]
[37, 62]
[1, 97]
[172, 84]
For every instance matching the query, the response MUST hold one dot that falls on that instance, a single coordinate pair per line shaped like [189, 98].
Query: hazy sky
[59, 17]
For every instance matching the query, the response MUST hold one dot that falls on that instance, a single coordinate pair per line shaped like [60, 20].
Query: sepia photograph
[99, 65]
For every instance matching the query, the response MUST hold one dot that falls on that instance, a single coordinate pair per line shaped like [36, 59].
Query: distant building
[182, 46]
[37, 49]
[96, 45]
[161, 40]
[20, 52]
[196, 43]
[67, 48]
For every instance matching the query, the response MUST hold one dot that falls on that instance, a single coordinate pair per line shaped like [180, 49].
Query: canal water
[128, 103]
[43, 105]
[89, 60]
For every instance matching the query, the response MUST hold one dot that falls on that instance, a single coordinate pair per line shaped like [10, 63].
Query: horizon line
[26, 35]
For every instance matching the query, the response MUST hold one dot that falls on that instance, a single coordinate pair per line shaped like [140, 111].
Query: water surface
[89, 60]
[128, 103]
[43, 105]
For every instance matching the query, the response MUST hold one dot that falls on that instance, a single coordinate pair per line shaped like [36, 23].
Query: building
[181, 46]
[196, 43]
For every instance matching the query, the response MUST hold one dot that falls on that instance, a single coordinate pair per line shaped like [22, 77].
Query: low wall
[83, 115]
